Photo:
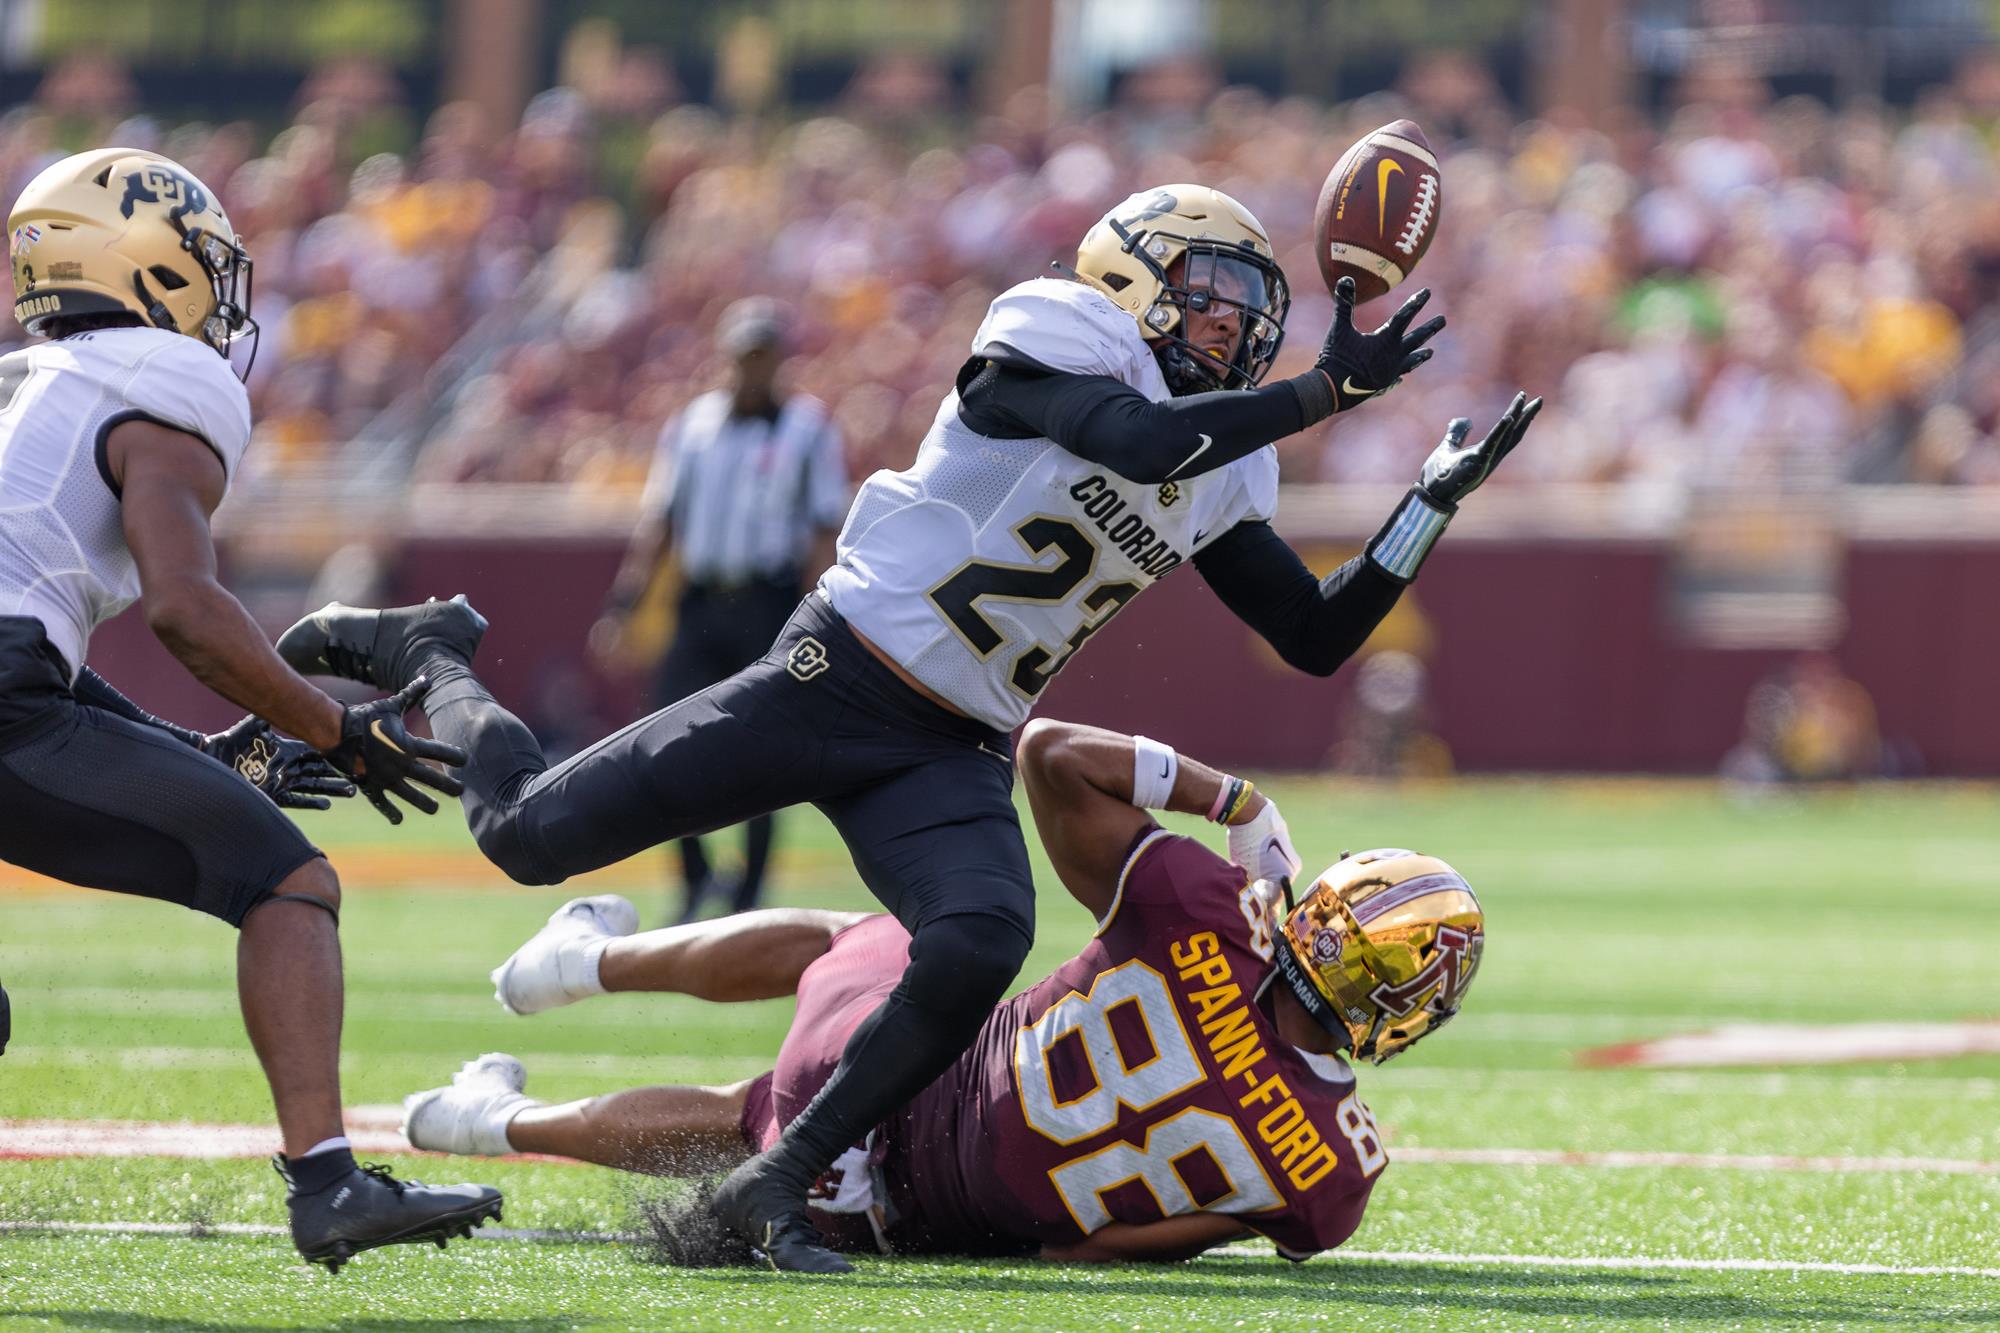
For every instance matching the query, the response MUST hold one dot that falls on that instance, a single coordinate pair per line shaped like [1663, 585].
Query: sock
[490, 1136]
[318, 1169]
[585, 980]
[327, 1145]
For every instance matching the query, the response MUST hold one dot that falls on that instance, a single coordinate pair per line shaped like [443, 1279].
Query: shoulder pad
[1064, 326]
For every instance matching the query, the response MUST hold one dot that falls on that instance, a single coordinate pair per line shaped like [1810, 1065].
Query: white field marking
[1636, 1261]
[1395, 1078]
[1804, 1044]
[1680, 1083]
[641, 1068]
[374, 1129]
[543, 1235]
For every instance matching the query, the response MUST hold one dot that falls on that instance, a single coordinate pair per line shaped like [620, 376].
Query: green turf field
[1616, 913]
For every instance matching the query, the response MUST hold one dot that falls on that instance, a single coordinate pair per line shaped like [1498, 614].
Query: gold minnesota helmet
[1177, 248]
[123, 231]
[1380, 950]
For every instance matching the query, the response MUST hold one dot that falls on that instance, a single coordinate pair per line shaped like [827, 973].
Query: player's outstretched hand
[380, 754]
[1262, 845]
[1455, 469]
[293, 774]
[1362, 365]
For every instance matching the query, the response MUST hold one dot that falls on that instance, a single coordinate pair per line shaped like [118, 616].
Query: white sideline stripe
[1706, 1161]
[374, 1129]
[1610, 1262]
[1635, 1261]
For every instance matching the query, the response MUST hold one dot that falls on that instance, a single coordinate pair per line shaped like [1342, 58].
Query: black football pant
[922, 797]
[718, 631]
[91, 798]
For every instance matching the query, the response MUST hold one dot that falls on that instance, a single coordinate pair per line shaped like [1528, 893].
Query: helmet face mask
[121, 231]
[1180, 258]
[1381, 949]
[1207, 285]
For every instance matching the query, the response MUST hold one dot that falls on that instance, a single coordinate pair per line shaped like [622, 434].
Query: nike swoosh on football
[1387, 167]
[1351, 389]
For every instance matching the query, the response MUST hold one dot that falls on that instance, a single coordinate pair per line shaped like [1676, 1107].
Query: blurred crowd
[1738, 292]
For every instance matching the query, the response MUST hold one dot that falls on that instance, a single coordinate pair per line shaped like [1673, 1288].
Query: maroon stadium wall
[1544, 655]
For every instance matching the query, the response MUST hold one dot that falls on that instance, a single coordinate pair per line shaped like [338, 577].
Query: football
[1378, 210]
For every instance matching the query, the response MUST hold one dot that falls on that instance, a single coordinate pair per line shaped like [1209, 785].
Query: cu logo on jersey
[162, 184]
[807, 658]
[1169, 492]
[1449, 969]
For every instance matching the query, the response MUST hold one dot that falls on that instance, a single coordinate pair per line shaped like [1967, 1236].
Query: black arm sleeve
[1315, 624]
[94, 691]
[1111, 423]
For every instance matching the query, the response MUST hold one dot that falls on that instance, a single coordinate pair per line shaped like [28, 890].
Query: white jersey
[63, 558]
[985, 566]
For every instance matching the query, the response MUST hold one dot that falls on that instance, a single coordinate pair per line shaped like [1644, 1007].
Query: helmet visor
[1233, 304]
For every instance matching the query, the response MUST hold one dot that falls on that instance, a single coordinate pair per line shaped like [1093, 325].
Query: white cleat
[558, 966]
[469, 1116]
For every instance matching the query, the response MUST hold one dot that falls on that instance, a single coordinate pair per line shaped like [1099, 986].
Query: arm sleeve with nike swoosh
[1111, 423]
[1315, 624]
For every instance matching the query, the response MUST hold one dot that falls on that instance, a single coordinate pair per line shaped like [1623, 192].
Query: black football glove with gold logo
[1362, 365]
[293, 774]
[378, 752]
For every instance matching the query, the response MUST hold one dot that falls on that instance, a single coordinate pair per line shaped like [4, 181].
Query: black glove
[1362, 365]
[293, 774]
[380, 754]
[1453, 471]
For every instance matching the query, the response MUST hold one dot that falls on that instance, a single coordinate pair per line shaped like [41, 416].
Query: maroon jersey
[1140, 1080]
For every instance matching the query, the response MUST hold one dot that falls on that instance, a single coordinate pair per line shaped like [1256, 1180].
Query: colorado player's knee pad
[961, 966]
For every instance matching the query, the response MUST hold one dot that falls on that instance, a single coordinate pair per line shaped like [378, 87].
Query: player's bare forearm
[1171, 1240]
[1079, 782]
[211, 634]
[170, 483]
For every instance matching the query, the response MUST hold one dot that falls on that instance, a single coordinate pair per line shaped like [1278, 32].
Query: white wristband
[1400, 547]
[1154, 768]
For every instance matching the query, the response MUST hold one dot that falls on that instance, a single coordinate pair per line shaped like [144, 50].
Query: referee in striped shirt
[749, 489]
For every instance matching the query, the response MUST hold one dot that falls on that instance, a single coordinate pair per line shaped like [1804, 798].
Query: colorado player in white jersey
[1107, 428]
[118, 438]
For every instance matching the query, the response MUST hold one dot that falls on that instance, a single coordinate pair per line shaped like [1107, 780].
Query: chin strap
[155, 310]
[1315, 1004]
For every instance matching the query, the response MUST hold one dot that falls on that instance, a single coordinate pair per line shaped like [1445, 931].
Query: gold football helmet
[1177, 248]
[121, 231]
[1380, 950]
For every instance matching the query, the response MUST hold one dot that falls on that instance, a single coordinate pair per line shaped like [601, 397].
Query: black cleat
[383, 648]
[6, 1021]
[759, 1203]
[369, 1208]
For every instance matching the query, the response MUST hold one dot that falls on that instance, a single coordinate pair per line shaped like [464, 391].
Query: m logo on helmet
[1450, 968]
[160, 183]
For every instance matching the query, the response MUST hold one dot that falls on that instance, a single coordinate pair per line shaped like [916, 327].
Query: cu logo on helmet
[162, 184]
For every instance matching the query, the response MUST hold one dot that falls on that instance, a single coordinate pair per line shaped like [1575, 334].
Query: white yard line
[1603, 1262]
[374, 1129]
[1759, 1084]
